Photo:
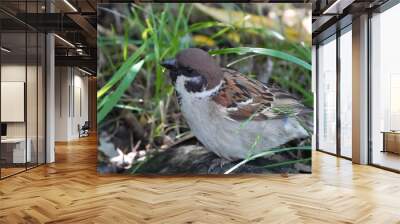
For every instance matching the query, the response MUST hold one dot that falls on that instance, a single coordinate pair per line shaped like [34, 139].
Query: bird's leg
[217, 165]
[223, 162]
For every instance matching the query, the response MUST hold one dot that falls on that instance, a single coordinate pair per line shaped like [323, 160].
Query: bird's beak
[169, 64]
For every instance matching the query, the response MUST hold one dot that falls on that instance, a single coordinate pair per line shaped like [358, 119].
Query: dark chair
[84, 130]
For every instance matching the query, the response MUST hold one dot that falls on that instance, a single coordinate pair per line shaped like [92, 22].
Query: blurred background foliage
[136, 105]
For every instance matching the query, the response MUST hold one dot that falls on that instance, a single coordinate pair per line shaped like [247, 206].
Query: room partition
[22, 77]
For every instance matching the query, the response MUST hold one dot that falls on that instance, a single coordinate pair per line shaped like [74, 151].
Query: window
[346, 93]
[327, 96]
[22, 101]
[385, 89]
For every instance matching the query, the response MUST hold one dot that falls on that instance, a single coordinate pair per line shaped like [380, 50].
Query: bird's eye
[189, 72]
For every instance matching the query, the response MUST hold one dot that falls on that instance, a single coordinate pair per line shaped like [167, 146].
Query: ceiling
[331, 15]
[74, 22]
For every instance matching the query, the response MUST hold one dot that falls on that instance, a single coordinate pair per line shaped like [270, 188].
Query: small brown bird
[230, 114]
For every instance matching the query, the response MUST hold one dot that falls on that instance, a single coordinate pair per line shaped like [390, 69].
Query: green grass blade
[178, 20]
[263, 51]
[127, 107]
[241, 59]
[204, 25]
[121, 72]
[221, 32]
[265, 153]
[125, 45]
[115, 96]
[303, 50]
[102, 102]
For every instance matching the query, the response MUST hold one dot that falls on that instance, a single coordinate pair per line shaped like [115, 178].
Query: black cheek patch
[173, 75]
[196, 84]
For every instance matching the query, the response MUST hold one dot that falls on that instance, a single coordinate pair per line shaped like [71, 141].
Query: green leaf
[102, 102]
[241, 59]
[116, 96]
[179, 19]
[121, 72]
[221, 32]
[263, 51]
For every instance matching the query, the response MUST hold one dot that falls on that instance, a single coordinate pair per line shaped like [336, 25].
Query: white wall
[33, 126]
[11, 73]
[61, 103]
[16, 73]
[71, 94]
[80, 100]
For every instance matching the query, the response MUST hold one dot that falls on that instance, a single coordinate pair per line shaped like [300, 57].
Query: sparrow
[230, 114]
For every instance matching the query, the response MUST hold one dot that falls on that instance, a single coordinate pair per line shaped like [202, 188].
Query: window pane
[346, 94]
[327, 96]
[15, 151]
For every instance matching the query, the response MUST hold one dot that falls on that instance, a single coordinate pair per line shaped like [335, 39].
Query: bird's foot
[217, 165]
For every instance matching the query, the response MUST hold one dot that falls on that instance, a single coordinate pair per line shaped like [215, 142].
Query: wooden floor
[10, 171]
[386, 159]
[70, 191]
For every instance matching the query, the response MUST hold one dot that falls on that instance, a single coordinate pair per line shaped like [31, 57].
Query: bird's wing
[245, 99]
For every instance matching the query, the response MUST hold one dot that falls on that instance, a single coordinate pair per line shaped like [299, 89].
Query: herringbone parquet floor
[70, 191]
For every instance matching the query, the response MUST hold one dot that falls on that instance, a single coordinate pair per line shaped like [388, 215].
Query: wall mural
[204, 88]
